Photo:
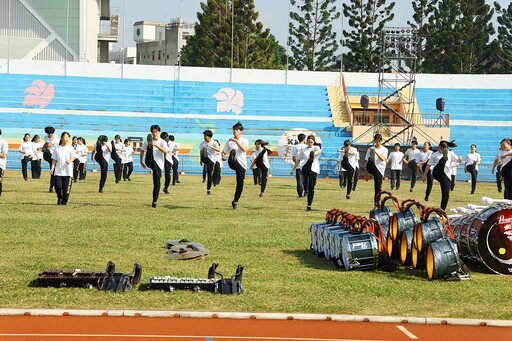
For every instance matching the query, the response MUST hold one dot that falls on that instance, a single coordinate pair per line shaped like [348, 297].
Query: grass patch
[268, 235]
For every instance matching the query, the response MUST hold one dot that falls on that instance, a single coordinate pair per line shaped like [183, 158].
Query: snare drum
[359, 251]
[382, 216]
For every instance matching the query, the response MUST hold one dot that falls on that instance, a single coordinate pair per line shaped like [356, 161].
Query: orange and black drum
[406, 247]
[382, 215]
[393, 248]
[417, 259]
[427, 232]
[400, 222]
[442, 259]
[486, 237]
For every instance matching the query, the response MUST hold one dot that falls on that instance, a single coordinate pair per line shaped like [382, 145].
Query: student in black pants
[302, 184]
[376, 158]
[175, 161]
[442, 162]
[497, 165]
[261, 161]
[506, 167]
[127, 160]
[425, 155]
[50, 142]
[158, 148]
[412, 159]
[76, 162]
[473, 159]
[236, 148]
[117, 152]
[35, 164]
[62, 168]
[101, 154]
[348, 162]
[209, 149]
[26, 149]
[4, 149]
[256, 172]
[82, 156]
[168, 162]
[310, 166]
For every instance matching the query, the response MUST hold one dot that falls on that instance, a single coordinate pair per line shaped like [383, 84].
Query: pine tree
[423, 9]
[312, 39]
[253, 47]
[367, 20]
[502, 45]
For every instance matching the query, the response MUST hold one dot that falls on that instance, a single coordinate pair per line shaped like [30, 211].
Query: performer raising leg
[159, 149]
[376, 158]
[262, 163]
[209, 149]
[4, 149]
[101, 154]
[473, 159]
[310, 166]
[236, 148]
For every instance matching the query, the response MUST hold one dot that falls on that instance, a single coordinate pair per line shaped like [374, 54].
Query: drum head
[495, 240]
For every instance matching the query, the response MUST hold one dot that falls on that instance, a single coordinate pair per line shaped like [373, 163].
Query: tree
[459, 35]
[422, 9]
[211, 45]
[367, 20]
[312, 40]
[502, 45]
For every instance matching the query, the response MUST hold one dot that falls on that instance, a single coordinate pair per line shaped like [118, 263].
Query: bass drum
[486, 237]
[359, 251]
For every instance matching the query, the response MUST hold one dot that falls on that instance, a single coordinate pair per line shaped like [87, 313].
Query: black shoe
[178, 181]
[124, 179]
[166, 191]
[203, 181]
[347, 196]
[308, 208]
[117, 181]
[426, 198]
[101, 190]
[397, 188]
[261, 194]
[75, 180]
[129, 179]
[234, 205]
[353, 189]
[153, 204]
[50, 190]
[59, 202]
[174, 184]
[410, 190]
[472, 192]
[392, 188]
[208, 192]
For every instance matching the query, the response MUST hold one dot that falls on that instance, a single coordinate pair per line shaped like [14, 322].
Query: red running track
[216, 329]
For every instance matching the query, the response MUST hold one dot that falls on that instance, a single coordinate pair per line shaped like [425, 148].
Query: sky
[273, 14]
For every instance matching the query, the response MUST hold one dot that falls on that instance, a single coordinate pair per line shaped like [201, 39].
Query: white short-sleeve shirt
[304, 157]
[53, 140]
[413, 154]
[380, 164]
[424, 156]
[105, 151]
[212, 154]
[4, 149]
[241, 156]
[62, 154]
[38, 154]
[396, 159]
[127, 154]
[448, 166]
[27, 149]
[158, 156]
[296, 150]
[264, 158]
[472, 158]
[351, 156]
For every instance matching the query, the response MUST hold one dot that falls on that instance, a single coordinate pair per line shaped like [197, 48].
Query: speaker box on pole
[365, 101]
[440, 104]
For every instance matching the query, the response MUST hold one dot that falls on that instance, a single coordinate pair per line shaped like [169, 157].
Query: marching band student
[35, 164]
[117, 149]
[62, 168]
[236, 148]
[356, 171]
[454, 168]
[302, 184]
[217, 170]
[76, 162]
[342, 172]
[4, 149]
[425, 155]
[310, 166]
[168, 162]
[256, 172]
[412, 159]
[50, 142]
[473, 159]
[82, 157]
[209, 149]
[348, 162]
[159, 149]
[441, 163]
[497, 165]
[376, 158]
[175, 161]
[506, 167]
[27, 152]
[101, 154]
[127, 160]
[262, 163]
[396, 158]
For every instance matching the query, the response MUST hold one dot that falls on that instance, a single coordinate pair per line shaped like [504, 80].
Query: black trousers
[499, 178]
[256, 175]
[82, 170]
[157, 175]
[205, 170]
[264, 178]
[209, 173]
[24, 162]
[430, 181]
[62, 188]
[474, 176]
[240, 177]
[216, 173]
[395, 178]
[175, 173]
[1, 179]
[167, 174]
[35, 168]
[299, 177]
[311, 176]
[452, 182]
[377, 179]
[444, 181]
[76, 164]
[127, 170]
[342, 177]
[118, 171]
[349, 175]
[356, 178]
[506, 173]
[104, 171]
[413, 166]
[51, 177]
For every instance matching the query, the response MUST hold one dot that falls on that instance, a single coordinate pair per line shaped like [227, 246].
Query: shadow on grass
[310, 260]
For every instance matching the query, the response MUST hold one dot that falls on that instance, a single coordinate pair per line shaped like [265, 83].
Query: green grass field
[268, 235]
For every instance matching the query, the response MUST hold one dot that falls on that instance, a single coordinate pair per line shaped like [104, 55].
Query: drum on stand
[359, 251]
[442, 259]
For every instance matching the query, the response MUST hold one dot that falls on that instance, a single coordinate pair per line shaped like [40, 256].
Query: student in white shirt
[101, 154]
[310, 165]
[506, 167]
[4, 149]
[256, 172]
[82, 157]
[158, 148]
[127, 160]
[376, 158]
[396, 157]
[262, 163]
[27, 152]
[76, 162]
[412, 159]
[301, 180]
[217, 169]
[169, 161]
[425, 155]
[497, 165]
[35, 164]
[348, 162]
[342, 172]
[356, 171]
[236, 148]
[62, 168]
[50, 142]
[441, 162]
[473, 159]
[116, 155]
[175, 160]
[454, 168]
[209, 149]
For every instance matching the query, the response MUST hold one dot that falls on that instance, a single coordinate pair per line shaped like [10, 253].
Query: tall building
[57, 30]
[160, 43]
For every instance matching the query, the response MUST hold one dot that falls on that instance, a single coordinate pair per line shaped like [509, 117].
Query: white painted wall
[246, 75]
[89, 30]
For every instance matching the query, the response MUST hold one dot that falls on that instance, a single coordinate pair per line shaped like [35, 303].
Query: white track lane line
[406, 332]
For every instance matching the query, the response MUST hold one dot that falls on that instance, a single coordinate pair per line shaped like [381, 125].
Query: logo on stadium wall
[230, 100]
[39, 94]
[289, 139]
